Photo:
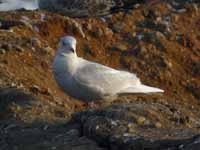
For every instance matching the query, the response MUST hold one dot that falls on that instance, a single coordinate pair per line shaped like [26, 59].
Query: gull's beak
[72, 50]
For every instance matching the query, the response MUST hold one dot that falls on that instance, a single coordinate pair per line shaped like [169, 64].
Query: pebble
[108, 32]
[88, 26]
[140, 36]
[48, 50]
[117, 27]
[169, 63]
[35, 42]
[19, 49]
[99, 33]
[141, 120]
[35, 28]
[103, 19]
[158, 125]
[181, 10]
[73, 132]
[78, 28]
[2, 51]
[35, 88]
[131, 128]
[121, 47]
[13, 85]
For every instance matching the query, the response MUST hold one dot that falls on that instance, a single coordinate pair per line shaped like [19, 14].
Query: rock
[88, 26]
[99, 33]
[78, 28]
[57, 138]
[35, 42]
[117, 27]
[35, 89]
[6, 24]
[158, 125]
[2, 51]
[93, 8]
[114, 127]
[78, 8]
[151, 25]
[141, 120]
[9, 96]
[19, 49]
[7, 46]
[121, 47]
[39, 117]
[194, 145]
[47, 50]
[108, 32]
[194, 89]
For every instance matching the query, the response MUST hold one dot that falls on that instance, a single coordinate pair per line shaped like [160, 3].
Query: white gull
[90, 81]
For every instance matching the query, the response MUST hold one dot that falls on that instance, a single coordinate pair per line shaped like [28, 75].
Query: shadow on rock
[133, 126]
[14, 100]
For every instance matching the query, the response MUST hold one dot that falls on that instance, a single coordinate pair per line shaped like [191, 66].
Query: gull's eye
[64, 43]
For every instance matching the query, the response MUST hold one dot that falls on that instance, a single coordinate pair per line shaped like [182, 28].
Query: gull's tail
[141, 89]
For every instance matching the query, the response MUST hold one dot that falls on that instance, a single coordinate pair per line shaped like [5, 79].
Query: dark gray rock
[75, 8]
[38, 138]
[21, 106]
[85, 8]
[7, 24]
[116, 128]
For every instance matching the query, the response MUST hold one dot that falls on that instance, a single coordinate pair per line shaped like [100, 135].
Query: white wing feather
[104, 78]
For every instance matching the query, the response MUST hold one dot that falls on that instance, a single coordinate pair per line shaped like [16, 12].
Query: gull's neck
[68, 61]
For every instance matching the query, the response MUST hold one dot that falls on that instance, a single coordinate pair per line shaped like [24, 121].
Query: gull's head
[68, 44]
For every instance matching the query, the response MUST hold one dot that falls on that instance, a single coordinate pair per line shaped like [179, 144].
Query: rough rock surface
[85, 8]
[96, 8]
[160, 43]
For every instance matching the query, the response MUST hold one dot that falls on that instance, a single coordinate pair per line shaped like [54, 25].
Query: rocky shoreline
[161, 44]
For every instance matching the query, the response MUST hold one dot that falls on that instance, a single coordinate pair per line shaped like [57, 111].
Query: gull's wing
[102, 78]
